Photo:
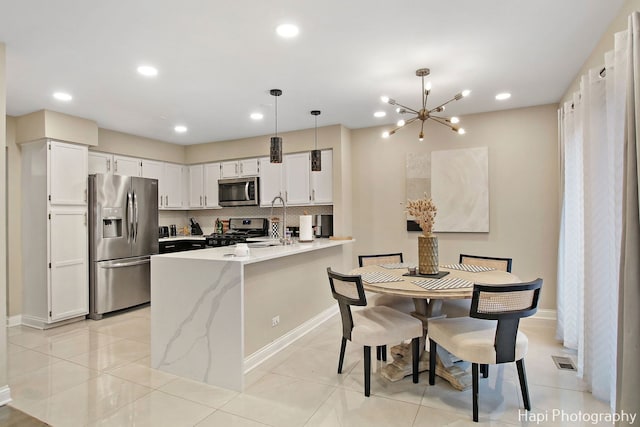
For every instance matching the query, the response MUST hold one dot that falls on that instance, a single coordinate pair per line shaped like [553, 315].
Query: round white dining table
[428, 305]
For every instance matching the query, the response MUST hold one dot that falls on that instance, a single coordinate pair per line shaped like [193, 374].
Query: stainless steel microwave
[238, 191]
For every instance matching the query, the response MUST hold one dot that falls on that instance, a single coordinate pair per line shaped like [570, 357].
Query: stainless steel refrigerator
[123, 234]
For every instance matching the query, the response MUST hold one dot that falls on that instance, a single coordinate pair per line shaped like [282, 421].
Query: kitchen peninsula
[215, 316]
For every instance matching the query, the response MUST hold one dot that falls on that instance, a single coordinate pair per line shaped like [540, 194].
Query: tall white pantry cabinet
[55, 232]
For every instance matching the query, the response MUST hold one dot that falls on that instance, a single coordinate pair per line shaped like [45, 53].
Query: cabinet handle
[200, 200]
[108, 165]
[205, 200]
[241, 168]
[166, 200]
[85, 218]
[236, 168]
[85, 194]
[286, 196]
[313, 195]
[115, 166]
[161, 200]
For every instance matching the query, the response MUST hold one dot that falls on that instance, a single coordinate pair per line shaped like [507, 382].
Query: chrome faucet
[283, 237]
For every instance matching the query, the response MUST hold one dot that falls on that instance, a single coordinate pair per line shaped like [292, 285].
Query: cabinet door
[211, 176]
[196, 180]
[271, 181]
[230, 170]
[249, 167]
[155, 170]
[297, 167]
[100, 162]
[322, 181]
[126, 166]
[68, 275]
[172, 185]
[67, 173]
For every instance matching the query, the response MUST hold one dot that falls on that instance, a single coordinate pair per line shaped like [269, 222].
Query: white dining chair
[490, 334]
[371, 326]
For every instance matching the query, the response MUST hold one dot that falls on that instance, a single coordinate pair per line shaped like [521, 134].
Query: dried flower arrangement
[424, 213]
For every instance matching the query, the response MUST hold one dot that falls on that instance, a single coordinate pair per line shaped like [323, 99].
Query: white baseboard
[255, 359]
[5, 395]
[546, 314]
[14, 320]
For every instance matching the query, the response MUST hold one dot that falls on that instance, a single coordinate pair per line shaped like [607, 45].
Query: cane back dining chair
[396, 302]
[371, 326]
[460, 307]
[490, 335]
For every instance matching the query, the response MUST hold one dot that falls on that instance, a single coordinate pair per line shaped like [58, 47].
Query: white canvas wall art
[460, 189]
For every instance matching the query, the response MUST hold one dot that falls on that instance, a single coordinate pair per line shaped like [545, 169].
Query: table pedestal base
[401, 367]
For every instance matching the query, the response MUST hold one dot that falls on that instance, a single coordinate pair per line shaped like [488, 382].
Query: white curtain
[592, 144]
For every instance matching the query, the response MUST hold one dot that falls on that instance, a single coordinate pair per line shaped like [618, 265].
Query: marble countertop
[225, 253]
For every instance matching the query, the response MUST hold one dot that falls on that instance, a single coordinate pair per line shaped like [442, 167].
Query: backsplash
[207, 217]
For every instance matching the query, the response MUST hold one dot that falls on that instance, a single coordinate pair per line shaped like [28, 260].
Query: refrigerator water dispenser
[111, 222]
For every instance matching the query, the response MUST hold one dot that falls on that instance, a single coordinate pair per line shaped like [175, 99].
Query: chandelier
[423, 114]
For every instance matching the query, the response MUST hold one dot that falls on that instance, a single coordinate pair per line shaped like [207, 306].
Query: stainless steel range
[240, 229]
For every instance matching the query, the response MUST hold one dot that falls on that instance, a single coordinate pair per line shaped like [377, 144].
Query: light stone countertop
[176, 238]
[225, 253]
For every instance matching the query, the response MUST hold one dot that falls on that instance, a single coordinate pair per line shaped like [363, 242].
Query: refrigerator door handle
[135, 209]
[126, 264]
[129, 217]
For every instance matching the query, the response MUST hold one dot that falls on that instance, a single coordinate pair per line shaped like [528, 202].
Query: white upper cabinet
[68, 174]
[172, 185]
[100, 162]
[271, 181]
[322, 181]
[211, 176]
[196, 186]
[296, 171]
[238, 168]
[203, 185]
[130, 166]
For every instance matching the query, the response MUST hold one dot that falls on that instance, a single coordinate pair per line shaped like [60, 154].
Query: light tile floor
[96, 373]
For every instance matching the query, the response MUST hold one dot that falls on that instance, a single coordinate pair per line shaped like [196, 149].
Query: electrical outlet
[275, 321]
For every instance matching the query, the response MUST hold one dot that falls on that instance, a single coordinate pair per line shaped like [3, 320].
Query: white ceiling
[217, 60]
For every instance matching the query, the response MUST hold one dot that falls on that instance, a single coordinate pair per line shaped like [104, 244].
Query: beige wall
[523, 182]
[51, 124]
[596, 59]
[110, 141]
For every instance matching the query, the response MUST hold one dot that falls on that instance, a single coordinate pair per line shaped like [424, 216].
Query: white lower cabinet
[54, 233]
[68, 268]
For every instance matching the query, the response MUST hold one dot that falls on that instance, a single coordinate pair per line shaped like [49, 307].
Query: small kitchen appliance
[323, 225]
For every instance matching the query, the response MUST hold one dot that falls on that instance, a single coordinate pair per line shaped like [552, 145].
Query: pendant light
[275, 152]
[316, 157]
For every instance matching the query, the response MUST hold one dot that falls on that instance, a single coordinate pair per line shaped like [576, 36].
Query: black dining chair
[490, 334]
[371, 326]
[396, 302]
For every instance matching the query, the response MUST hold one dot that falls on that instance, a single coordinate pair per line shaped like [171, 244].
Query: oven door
[238, 192]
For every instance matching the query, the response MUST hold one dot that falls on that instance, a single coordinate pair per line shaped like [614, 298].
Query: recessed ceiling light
[379, 114]
[180, 129]
[62, 96]
[287, 30]
[148, 71]
[502, 96]
[256, 116]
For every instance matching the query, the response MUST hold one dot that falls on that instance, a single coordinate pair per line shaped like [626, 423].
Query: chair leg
[523, 384]
[432, 361]
[415, 346]
[367, 370]
[484, 369]
[383, 353]
[474, 380]
[343, 346]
